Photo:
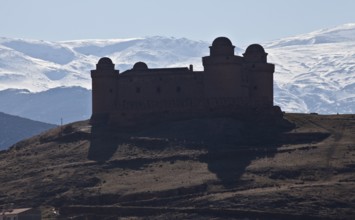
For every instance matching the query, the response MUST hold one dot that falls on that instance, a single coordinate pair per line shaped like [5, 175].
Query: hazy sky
[243, 21]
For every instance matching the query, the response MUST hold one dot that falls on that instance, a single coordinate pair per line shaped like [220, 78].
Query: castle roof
[222, 46]
[255, 48]
[105, 63]
[255, 53]
[222, 41]
[176, 70]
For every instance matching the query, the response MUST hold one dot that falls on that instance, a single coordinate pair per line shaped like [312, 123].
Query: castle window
[178, 89]
[138, 89]
[158, 90]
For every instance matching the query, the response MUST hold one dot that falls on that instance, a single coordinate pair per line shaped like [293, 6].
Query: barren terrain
[203, 168]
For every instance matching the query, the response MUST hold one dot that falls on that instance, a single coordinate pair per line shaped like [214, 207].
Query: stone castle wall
[229, 85]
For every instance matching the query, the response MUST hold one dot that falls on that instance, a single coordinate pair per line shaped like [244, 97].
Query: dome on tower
[105, 63]
[140, 66]
[255, 48]
[255, 53]
[222, 46]
[221, 41]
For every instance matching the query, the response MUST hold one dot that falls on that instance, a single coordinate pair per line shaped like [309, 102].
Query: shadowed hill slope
[14, 129]
[195, 169]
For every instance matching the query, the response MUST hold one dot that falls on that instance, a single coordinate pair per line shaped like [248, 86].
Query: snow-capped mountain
[47, 81]
[339, 34]
[41, 65]
[315, 72]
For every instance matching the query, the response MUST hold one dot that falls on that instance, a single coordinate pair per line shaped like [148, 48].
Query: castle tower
[259, 74]
[223, 71]
[104, 88]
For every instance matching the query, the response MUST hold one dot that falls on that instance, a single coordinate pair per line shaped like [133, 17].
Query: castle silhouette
[229, 85]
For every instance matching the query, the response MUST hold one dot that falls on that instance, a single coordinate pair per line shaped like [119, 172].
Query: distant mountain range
[14, 129]
[47, 81]
[66, 104]
[315, 72]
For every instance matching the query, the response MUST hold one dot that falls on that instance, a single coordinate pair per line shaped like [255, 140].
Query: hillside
[314, 71]
[195, 169]
[14, 129]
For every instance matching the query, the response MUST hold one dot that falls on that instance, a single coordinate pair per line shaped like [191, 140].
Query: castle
[229, 85]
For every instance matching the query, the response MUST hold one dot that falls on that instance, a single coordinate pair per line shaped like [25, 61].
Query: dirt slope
[202, 168]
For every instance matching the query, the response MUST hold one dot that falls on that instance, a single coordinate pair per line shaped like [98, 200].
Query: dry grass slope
[203, 168]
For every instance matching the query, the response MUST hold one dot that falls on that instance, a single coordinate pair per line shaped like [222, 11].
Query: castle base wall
[133, 114]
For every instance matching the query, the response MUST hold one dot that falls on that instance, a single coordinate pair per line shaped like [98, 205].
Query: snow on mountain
[339, 34]
[315, 72]
[314, 75]
[155, 51]
[41, 80]
[41, 65]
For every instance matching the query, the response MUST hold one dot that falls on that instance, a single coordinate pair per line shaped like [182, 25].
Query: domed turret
[255, 48]
[221, 41]
[104, 87]
[140, 66]
[255, 53]
[105, 63]
[222, 46]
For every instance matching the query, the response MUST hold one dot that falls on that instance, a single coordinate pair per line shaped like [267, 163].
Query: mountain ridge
[62, 103]
[310, 77]
[337, 34]
[14, 129]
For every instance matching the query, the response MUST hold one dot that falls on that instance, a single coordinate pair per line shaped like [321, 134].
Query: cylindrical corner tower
[222, 71]
[260, 76]
[104, 89]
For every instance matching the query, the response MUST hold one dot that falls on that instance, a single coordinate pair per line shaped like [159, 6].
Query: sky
[243, 21]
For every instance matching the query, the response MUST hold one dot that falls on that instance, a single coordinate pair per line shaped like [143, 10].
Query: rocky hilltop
[299, 168]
